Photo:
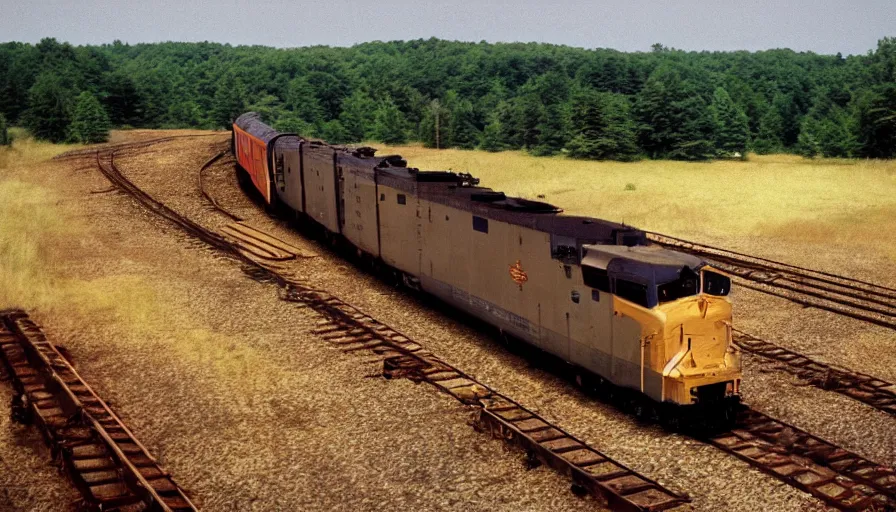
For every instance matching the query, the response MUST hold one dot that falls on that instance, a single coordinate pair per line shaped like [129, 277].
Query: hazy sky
[822, 26]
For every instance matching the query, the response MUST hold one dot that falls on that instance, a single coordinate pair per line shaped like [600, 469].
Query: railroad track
[865, 388]
[840, 478]
[103, 458]
[200, 182]
[355, 331]
[843, 295]
[122, 146]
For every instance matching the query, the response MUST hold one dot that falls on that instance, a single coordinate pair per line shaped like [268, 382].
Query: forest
[547, 99]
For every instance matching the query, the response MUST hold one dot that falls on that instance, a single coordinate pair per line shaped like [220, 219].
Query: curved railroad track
[355, 331]
[839, 294]
[836, 476]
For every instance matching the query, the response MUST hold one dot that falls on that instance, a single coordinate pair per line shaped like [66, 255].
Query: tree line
[547, 99]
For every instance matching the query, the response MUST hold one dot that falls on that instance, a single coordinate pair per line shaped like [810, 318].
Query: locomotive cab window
[634, 292]
[596, 278]
[687, 285]
[715, 283]
[480, 224]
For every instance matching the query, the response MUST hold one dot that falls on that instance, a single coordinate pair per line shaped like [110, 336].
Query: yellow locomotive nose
[705, 366]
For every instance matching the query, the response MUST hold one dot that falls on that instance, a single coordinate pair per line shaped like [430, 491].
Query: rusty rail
[200, 182]
[846, 296]
[104, 459]
[838, 477]
[867, 389]
[122, 146]
[834, 475]
[619, 486]
[342, 323]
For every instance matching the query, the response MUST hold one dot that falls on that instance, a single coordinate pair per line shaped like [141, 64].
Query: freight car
[635, 317]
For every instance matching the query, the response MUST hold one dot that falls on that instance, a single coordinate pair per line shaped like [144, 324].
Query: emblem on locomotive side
[517, 273]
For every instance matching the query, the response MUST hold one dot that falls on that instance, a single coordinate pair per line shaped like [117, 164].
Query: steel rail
[344, 323]
[865, 388]
[696, 246]
[623, 488]
[65, 405]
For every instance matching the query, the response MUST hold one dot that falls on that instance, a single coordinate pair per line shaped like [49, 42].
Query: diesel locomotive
[623, 313]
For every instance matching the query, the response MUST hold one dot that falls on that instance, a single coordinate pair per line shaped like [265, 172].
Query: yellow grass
[782, 198]
[29, 222]
[48, 254]
[39, 236]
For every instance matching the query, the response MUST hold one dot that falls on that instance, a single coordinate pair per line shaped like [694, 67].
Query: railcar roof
[454, 189]
[459, 191]
[251, 123]
[643, 263]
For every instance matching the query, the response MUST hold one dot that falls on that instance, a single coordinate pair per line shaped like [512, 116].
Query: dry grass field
[783, 206]
[30, 224]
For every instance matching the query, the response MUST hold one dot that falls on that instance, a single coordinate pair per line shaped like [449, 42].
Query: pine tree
[4, 133]
[357, 116]
[291, 123]
[334, 133]
[694, 137]
[228, 103]
[768, 137]
[122, 100]
[434, 127]
[90, 122]
[302, 101]
[657, 131]
[831, 133]
[674, 120]
[462, 125]
[528, 112]
[269, 107]
[504, 116]
[808, 143]
[389, 125]
[49, 108]
[602, 126]
[493, 135]
[185, 113]
[732, 128]
[877, 122]
[551, 131]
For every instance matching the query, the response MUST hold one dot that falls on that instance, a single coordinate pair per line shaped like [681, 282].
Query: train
[646, 322]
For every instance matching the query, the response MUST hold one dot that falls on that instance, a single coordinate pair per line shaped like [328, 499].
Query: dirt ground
[250, 411]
